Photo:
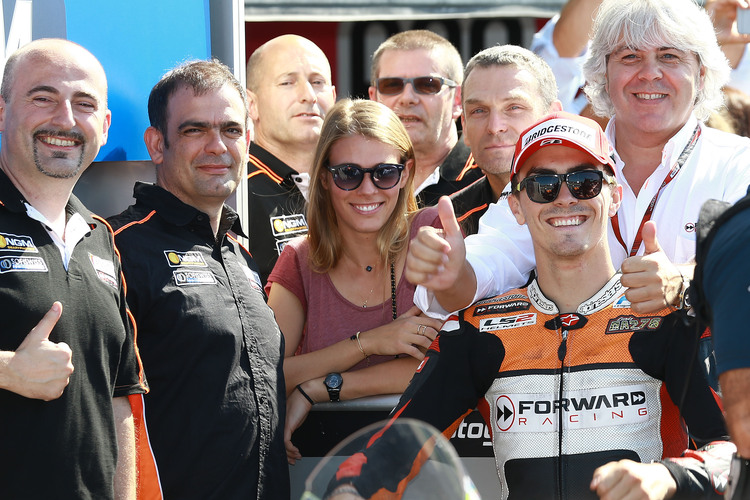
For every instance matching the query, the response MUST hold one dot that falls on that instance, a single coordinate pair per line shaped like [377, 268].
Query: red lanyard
[650, 210]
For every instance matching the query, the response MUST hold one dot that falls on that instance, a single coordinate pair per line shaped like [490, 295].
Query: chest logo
[184, 259]
[22, 264]
[506, 322]
[288, 224]
[105, 270]
[17, 243]
[623, 324]
[183, 277]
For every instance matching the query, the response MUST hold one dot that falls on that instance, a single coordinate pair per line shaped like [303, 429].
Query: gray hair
[641, 24]
[513, 55]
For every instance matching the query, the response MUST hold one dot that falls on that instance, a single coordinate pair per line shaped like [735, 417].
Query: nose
[63, 116]
[497, 123]
[650, 69]
[367, 186]
[307, 92]
[408, 95]
[565, 197]
[215, 144]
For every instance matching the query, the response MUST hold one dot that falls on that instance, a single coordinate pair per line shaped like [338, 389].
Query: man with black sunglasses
[418, 74]
[656, 68]
[578, 389]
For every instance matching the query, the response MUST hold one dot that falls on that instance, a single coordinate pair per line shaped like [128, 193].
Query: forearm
[571, 33]
[125, 473]
[461, 294]
[337, 357]
[735, 386]
[391, 377]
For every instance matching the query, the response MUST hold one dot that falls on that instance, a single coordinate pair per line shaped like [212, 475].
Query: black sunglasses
[582, 184]
[349, 176]
[422, 84]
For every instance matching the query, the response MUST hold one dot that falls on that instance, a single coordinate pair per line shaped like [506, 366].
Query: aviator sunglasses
[429, 85]
[582, 184]
[349, 176]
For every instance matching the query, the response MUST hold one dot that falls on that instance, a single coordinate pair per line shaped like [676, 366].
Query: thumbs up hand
[653, 281]
[436, 256]
[39, 368]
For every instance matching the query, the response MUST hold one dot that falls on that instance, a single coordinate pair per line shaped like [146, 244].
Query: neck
[561, 278]
[641, 159]
[46, 194]
[428, 157]
[297, 156]
[361, 250]
[498, 183]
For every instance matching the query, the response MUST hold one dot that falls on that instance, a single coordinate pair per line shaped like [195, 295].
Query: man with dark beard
[67, 356]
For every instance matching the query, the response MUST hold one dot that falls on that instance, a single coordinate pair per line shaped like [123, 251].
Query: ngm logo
[191, 259]
[288, 224]
[15, 243]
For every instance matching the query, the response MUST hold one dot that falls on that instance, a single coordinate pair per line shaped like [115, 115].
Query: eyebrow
[52, 90]
[204, 124]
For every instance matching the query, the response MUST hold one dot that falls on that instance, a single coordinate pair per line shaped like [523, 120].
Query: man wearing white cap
[576, 387]
[654, 67]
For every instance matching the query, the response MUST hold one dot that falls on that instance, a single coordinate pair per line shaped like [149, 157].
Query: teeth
[59, 142]
[367, 208]
[409, 119]
[574, 221]
[649, 97]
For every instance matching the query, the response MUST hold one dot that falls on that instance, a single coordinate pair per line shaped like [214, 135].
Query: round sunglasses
[349, 176]
[582, 184]
[429, 85]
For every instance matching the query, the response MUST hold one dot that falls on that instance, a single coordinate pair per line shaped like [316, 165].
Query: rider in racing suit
[562, 393]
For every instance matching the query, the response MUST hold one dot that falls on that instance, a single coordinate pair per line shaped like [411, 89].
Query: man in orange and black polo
[290, 91]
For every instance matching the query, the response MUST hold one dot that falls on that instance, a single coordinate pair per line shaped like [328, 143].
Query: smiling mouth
[57, 141]
[650, 97]
[567, 221]
[308, 115]
[367, 208]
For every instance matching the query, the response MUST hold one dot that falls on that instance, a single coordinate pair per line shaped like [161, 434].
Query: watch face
[334, 380]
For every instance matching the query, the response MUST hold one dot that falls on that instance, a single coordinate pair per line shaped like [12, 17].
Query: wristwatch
[333, 383]
[684, 297]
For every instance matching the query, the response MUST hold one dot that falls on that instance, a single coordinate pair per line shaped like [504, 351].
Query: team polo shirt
[471, 203]
[501, 253]
[456, 172]
[215, 413]
[276, 208]
[64, 448]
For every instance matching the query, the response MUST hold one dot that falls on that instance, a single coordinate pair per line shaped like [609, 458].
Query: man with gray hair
[656, 67]
[506, 89]
[418, 74]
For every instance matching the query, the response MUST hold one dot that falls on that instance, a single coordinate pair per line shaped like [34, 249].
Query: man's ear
[515, 207]
[154, 144]
[616, 200]
[252, 105]
[2, 114]
[105, 126]
[372, 92]
[457, 106]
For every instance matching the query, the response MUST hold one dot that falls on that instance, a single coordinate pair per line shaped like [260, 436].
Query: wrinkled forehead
[60, 68]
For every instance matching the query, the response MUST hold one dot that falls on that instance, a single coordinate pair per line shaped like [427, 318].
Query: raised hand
[653, 281]
[39, 368]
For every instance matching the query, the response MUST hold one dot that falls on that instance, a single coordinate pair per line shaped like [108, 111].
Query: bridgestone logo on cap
[563, 130]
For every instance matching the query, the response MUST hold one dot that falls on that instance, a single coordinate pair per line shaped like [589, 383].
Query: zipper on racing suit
[562, 351]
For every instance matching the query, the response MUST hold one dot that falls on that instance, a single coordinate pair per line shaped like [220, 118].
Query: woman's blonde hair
[372, 120]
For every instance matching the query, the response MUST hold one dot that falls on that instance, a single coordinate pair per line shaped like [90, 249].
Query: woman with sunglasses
[339, 294]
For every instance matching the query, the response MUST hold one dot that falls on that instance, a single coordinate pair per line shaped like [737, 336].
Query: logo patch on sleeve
[22, 264]
[105, 270]
[183, 277]
[504, 323]
[184, 259]
[17, 243]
